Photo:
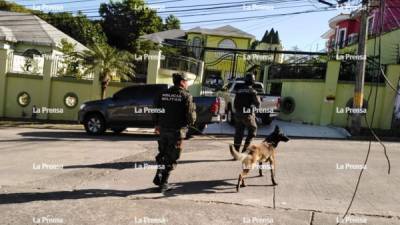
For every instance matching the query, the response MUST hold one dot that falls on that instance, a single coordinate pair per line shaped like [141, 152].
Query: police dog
[259, 153]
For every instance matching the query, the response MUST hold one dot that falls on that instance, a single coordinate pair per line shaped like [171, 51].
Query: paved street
[66, 177]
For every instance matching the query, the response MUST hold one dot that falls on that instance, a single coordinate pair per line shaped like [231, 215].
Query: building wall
[313, 108]
[308, 98]
[225, 65]
[45, 91]
[390, 47]
[158, 75]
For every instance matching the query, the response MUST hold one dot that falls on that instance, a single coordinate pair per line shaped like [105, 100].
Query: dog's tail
[237, 155]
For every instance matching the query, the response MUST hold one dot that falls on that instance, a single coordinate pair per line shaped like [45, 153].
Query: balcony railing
[181, 63]
[298, 71]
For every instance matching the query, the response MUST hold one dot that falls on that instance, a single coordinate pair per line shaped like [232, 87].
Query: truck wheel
[230, 117]
[118, 130]
[266, 120]
[94, 124]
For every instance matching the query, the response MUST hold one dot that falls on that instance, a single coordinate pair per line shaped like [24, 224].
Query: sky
[301, 30]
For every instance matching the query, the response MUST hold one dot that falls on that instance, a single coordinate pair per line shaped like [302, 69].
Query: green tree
[254, 44]
[78, 27]
[172, 22]
[264, 38]
[125, 21]
[70, 64]
[271, 37]
[109, 62]
[13, 7]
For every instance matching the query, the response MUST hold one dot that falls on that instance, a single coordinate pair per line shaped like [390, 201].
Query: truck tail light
[215, 106]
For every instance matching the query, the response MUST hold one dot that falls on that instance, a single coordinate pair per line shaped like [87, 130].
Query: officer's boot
[164, 181]
[245, 146]
[237, 148]
[157, 177]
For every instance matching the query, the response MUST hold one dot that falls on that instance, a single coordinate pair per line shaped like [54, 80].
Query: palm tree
[108, 61]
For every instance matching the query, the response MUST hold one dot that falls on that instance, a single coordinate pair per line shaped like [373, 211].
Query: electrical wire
[372, 120]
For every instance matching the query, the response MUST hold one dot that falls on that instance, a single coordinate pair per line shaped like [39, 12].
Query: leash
[211, 137]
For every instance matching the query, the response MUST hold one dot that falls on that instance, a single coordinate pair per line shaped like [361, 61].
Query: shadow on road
[182, 188]
[134, 165]
[79, 136]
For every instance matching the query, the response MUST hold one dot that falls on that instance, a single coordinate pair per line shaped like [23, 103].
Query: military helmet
[177, 77]
[249, 78]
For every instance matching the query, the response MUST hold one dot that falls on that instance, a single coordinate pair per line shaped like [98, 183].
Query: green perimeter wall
[46, 91]
[59, 87]
[311, 106]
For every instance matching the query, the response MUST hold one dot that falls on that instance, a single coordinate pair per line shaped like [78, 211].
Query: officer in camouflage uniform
[245, 100]
[172, 126]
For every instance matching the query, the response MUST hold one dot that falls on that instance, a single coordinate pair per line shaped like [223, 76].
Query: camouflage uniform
[179, 114]
[245, 99]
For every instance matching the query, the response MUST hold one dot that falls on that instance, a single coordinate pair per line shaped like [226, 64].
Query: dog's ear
[277, 129]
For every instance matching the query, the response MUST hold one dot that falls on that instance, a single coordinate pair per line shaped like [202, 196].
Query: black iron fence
[181, 63]
[372, 72]
[298, 71]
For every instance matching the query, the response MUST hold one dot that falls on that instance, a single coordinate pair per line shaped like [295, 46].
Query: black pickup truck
[132, 107]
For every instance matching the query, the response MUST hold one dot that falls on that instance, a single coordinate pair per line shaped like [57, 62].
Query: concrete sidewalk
[291, 129]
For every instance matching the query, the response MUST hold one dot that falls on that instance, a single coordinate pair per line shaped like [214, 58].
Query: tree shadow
[79, 136]
[135, 165]
[223, 186]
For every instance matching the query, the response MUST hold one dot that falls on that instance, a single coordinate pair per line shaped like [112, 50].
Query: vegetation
[121, 24]
[108, 62]
[271, 37]
[78, 27]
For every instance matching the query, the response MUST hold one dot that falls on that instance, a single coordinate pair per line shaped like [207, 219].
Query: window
[71, 100]
[353, 38]
[23, 99]
[370, 25]
[227, 43]
[31, 53]
[341, 38]
[197, 45]
[258, 87]
[126, 93]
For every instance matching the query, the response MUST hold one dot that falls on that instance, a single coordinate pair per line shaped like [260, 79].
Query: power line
[373, 115]
[190, 22]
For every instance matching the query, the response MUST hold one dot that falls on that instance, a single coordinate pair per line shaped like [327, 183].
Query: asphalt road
[66, 177]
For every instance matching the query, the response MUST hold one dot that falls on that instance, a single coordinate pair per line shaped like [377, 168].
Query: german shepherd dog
[263, 152]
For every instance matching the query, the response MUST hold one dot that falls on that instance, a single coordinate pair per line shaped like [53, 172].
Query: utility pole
[360, 70]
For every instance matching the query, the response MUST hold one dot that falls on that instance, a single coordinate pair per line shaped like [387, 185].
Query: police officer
[245, 101]
[172, 126]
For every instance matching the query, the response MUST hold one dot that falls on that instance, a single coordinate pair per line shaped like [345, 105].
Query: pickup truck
[131, 107]
[269, 104]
